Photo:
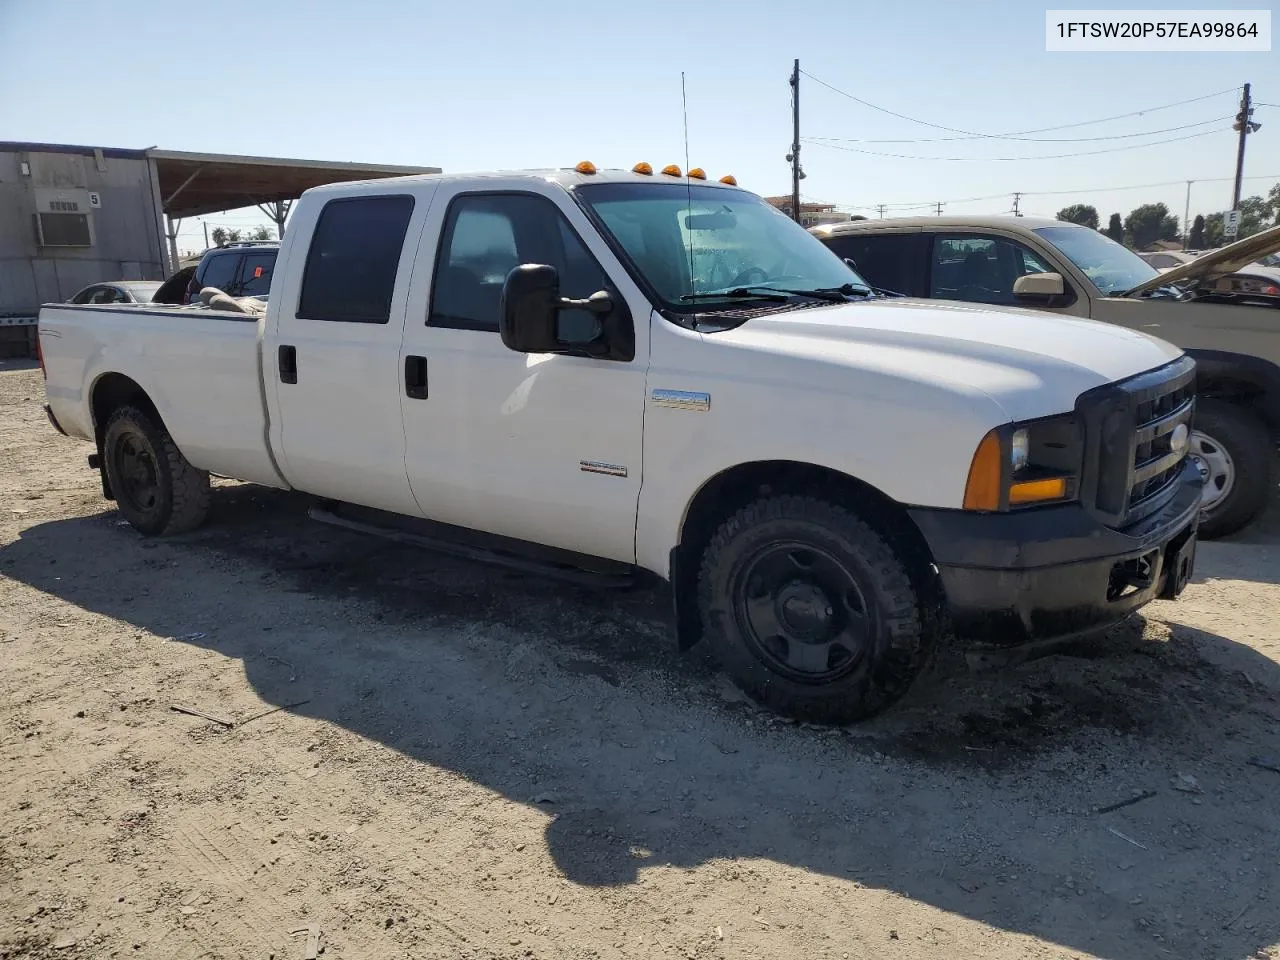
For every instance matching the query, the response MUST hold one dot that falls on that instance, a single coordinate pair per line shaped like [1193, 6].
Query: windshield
[1112, 268]
[692, 242]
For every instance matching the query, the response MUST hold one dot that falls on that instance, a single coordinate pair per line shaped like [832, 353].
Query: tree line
[222, 236]
[1152, 222]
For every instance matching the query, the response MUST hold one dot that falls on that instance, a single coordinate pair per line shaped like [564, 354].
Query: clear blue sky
[506, 84]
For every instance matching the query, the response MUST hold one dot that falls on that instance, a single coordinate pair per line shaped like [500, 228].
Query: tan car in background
[1233, 333]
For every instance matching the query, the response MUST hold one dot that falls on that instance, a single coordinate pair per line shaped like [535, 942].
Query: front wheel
[810, 611]
[155, 488]
[1233, 451]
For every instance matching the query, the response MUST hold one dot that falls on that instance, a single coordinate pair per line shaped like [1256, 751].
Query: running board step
[502, 552]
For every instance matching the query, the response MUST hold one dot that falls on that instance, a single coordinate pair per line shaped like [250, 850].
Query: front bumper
[1055, 572]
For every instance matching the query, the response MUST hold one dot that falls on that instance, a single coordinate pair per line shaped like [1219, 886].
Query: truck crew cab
[610, 373]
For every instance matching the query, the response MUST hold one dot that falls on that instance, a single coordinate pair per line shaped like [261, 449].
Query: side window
[980, 269]
[105, 295]
[891, 261]
[220, 272]
[85, 296]
[118, 296]
[350, 274]
[487, 235]
[255, 274]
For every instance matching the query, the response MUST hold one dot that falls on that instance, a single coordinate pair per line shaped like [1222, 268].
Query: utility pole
[794, 156]
[205, 224]
[1186, 216]
[1245, 126]
[937, 209]
[880, 210]
[1016, 198]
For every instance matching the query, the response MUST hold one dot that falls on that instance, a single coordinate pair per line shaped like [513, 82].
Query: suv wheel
[1233, 451]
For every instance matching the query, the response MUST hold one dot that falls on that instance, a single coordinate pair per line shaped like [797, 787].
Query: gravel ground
[464, 762]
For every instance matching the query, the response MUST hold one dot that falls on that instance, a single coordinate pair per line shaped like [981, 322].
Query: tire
[1235, 453]
[782, 564]
[155, 488]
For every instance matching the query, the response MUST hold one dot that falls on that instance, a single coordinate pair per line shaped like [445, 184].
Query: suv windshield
[1112, 268]
[691, 243]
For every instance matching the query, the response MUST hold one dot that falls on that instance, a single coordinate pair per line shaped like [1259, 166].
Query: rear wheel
[156, 489]
[810, 611]
[1234, 453]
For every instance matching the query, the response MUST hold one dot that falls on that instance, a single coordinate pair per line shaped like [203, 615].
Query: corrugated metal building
[71, 216]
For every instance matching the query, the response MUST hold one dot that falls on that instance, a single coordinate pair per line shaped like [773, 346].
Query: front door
[333, 361]
[544, 448]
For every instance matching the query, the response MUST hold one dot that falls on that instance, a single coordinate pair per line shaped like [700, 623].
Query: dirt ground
[470, 763]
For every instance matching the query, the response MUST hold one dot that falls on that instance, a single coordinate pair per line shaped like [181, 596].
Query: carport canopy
[192, 184]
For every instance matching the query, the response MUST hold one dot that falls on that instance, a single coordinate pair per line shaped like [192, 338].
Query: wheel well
[731, 490]
[111, 392]
[1245, 393]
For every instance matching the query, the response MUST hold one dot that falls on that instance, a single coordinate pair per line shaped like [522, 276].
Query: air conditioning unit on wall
[63, 217]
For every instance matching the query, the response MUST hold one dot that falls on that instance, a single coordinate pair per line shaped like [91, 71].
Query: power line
[1017, 133]
[1051, 156]
[1049, 193]
[1112, 136]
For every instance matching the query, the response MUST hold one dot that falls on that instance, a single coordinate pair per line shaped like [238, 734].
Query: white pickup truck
[604, 374]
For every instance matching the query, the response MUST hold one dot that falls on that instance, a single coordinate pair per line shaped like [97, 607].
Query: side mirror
[1039, 286]
[529, 314]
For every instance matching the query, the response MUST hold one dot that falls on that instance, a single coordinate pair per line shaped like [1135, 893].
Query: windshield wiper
[780, 294]
[737, 293]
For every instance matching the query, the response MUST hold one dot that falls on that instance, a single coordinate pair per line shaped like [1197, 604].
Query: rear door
[332, 359]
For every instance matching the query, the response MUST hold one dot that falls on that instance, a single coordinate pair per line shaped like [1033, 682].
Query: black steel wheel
[156, 489]
[810, 611]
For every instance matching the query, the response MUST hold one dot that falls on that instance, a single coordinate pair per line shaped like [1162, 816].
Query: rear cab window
[350, 272]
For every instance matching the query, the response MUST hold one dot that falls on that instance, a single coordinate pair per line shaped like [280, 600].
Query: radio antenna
[684, 108]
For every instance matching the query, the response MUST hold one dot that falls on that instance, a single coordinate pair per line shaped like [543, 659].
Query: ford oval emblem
[1178, 439]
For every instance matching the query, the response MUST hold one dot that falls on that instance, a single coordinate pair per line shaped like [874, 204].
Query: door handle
[415, 377]
[288, 360]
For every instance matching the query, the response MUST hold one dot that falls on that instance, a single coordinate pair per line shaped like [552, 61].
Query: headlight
[1024, 464]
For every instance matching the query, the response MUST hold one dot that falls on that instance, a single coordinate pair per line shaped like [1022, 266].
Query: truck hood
[1208, 268]
[1029, 362]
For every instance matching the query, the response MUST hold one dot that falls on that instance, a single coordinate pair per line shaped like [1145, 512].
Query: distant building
[71, 216]
[811, 214]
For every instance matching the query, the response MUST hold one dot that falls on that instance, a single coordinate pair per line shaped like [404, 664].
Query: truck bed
[202, 368]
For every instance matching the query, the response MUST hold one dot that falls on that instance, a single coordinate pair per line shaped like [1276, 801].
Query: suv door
[895, 261]
[537, 447]
[979, 267]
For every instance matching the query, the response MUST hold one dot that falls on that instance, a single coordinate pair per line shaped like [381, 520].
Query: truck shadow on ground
[573, 702]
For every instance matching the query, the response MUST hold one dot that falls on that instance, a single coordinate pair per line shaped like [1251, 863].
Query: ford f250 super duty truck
[602, 374]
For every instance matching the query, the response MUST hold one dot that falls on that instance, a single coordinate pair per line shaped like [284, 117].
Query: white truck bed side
[200, 367]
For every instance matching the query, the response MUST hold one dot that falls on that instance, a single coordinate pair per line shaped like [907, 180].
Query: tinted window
[485, 236]
[220, 272]
[351, 267]
[255, 274]
[85, 296]
[891, 261]
[979, 269]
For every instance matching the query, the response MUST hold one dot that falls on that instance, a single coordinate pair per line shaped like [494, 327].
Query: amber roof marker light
[697, 173]
[729, 179]
[671, 170]
[642, 168]
[586, 166]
